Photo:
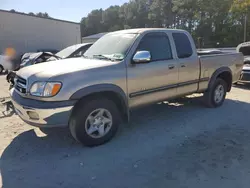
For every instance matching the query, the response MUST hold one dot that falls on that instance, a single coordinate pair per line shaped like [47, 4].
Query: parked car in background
[121, 71]
[53, 51]
[26, 56]
[244, 48]
[245, 74]
[3, 63]
[7, 63]
[41, 57]
[76, 50]
[69, 52]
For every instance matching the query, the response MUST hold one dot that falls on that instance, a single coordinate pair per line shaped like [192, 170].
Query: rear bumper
[245, 77]
[40, 113]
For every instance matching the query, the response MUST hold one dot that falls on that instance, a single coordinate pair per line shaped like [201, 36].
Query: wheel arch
[224, 73]
[109, 91]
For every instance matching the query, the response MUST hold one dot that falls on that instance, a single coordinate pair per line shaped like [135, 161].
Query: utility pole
[245, 29]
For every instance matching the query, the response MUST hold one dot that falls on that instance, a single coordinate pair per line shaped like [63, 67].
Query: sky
[72, 10]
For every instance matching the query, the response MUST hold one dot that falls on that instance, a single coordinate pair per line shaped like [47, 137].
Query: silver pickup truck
[123, 70]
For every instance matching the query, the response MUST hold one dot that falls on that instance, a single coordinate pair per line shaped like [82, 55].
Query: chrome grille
[20, 84]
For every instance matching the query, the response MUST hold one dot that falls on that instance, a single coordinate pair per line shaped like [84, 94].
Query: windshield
[114, 46]
[68, 51]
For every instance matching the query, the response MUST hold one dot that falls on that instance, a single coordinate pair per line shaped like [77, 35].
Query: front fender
[98, 88]
[103, 88]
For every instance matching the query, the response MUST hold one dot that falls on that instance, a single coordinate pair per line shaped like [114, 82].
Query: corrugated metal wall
[27, 33]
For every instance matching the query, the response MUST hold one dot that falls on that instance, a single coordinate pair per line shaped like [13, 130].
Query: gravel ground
[178, 144]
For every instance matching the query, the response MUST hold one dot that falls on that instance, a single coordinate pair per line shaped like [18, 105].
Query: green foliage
[211, 22]
[43, 15]
[40, 14]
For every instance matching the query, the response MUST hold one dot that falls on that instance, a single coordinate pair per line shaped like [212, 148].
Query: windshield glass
[114, 46]
[68, 51]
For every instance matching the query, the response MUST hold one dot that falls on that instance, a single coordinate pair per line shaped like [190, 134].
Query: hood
[59, 67]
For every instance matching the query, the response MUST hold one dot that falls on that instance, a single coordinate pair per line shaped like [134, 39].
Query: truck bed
[209, 52]
[209, 63]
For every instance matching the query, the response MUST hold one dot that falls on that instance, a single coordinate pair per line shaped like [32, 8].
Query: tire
[79, 122]
[1, 69]
[210, 96]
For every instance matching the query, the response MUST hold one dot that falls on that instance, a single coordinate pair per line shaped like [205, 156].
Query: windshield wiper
[103, 57]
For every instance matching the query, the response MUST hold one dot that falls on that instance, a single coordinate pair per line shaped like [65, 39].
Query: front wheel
[95, 122]
[216, 95]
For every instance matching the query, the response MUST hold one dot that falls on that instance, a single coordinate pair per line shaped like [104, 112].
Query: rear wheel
[95, 122]
[216, 95]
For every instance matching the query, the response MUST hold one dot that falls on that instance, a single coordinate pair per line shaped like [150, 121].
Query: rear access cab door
[187, 62]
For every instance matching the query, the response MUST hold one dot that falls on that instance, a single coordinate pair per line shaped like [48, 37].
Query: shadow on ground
[171, 144]
[242, 86]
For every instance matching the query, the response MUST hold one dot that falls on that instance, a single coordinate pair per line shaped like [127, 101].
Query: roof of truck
[142, 30]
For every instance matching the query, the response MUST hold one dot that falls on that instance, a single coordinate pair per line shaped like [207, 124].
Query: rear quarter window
[183, 45]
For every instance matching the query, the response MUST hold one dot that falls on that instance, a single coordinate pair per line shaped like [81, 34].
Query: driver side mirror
[142, 57]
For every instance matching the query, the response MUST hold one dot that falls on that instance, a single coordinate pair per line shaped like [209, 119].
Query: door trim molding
[163, 88]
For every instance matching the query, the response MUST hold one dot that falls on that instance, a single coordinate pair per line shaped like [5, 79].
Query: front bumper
[40, 113]
[245, 77]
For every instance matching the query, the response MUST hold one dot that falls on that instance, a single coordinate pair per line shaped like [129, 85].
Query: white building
[27, 33]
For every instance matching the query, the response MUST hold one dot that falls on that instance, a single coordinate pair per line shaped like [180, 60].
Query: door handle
[171, 66]
[182, 66]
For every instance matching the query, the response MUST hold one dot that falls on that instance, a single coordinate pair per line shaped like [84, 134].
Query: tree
[40, 14]
[93, 23]
[241, 10]
[31, 13]
[43, 15]
[211, 21]
[111, 19]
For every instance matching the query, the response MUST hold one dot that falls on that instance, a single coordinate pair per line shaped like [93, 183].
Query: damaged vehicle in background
[244, 48]
[76, 50]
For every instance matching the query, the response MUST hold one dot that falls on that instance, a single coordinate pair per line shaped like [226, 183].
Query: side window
[183, 45]
[158, 45]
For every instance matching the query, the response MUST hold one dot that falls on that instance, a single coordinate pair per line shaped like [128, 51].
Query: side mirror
[142, 57]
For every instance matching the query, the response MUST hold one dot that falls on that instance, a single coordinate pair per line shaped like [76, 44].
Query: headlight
[45, 89]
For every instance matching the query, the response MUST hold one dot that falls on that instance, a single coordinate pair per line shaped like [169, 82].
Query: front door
[156, 80]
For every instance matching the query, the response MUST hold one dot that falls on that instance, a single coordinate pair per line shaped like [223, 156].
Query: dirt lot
[181, 144]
